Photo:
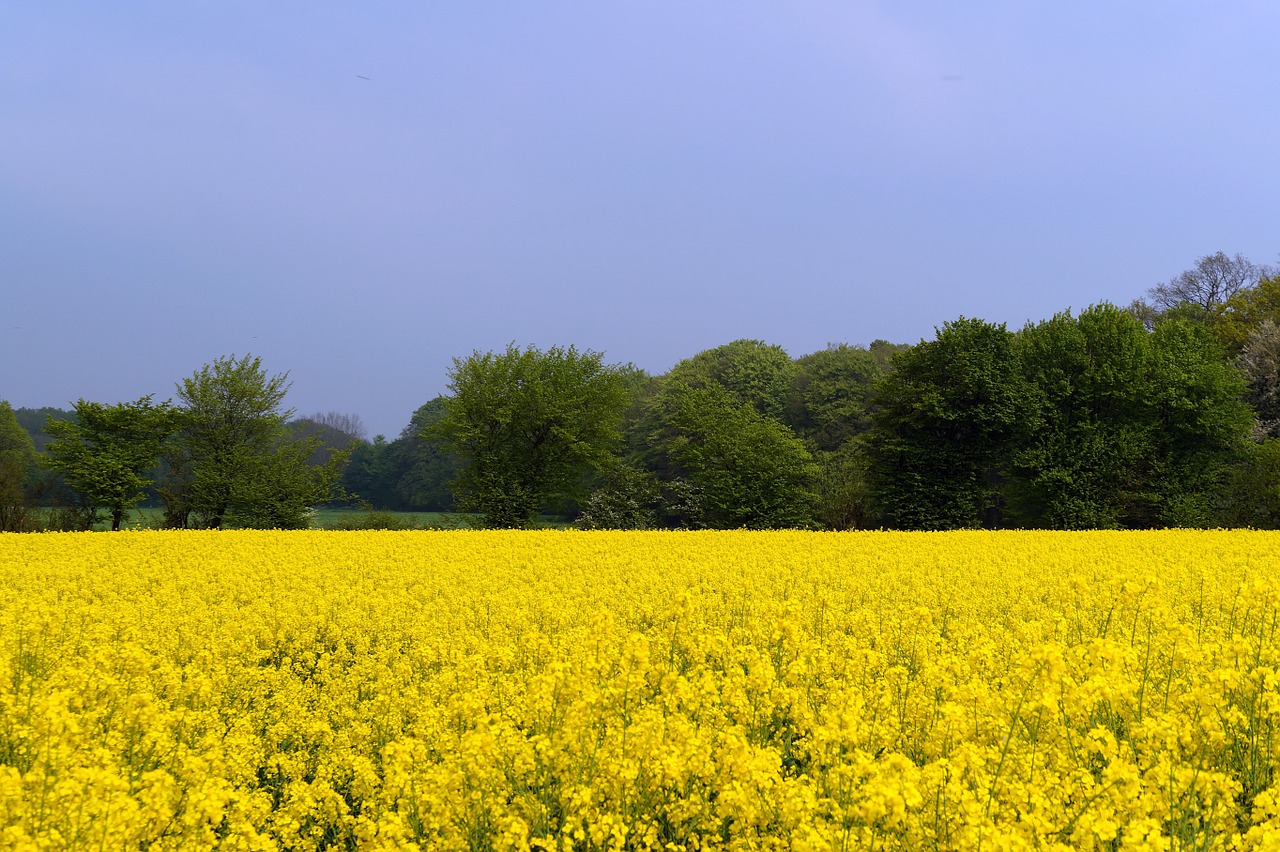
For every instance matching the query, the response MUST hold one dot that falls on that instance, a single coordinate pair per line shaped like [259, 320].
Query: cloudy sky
[359, 192]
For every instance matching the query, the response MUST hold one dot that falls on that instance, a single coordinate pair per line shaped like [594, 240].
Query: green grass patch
[147, 517]
[382, 519]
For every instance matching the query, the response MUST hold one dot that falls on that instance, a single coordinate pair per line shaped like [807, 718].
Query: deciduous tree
[421, 465]
[1251, 496]
[1246, 311]
[349, 424]
[1082, 466]
[830, 398]
[17, 455]
[235, 460]
[1260, 364]
[1132, 428]
[1209, 284]
[713, 433]
[106, 451]
[749, 470]
[752, 372]
[1200, 422]
[949, 418]
[530, 426]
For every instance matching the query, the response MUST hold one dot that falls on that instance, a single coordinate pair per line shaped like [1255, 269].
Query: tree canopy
[105, 452]
[529, 426]
[830, 398]
[713, 433]
[752, 372]
[234, 460]
[1213, 281]
[948, 419]
[17, 455]
[747, 469]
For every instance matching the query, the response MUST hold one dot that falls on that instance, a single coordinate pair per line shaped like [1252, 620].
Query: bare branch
[1214, 279]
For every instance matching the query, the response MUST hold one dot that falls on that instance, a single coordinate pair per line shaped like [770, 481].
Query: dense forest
[1163, 413]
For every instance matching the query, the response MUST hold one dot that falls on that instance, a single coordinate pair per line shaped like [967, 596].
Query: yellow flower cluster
[674, 691]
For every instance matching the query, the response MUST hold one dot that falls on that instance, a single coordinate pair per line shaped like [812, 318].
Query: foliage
[34, 420]
[1083, 465]
[884, 352]
[845, 499]
[1199, 422]
[15, 443]
[411, 473]
[368, 478]
[830, 398]
[950, 416]
[627, 499]
[17, 455]
[529, 425]
[326, 441]
[717, 691]
[375, 519]
[711, 430]
[14, 507]
[1251, 496]
[750, 470]
[1246, 311]
[105, 452]
[348, 423]
[1133, 429]
[1144, 312]
[752, 372]
[235, 460]
[1259, 363]
[423, 464]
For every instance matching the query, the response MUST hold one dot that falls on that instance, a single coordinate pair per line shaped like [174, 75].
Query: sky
[358, 193]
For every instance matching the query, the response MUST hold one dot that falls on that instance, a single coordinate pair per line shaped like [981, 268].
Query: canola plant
[659, 690]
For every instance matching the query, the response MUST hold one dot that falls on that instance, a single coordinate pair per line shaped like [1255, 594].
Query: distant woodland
[1162, 413]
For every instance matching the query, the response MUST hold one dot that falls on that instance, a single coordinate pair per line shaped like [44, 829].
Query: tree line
[224, 453]
[1162, 413]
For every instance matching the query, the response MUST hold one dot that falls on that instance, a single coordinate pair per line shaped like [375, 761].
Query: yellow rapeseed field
[571, 690]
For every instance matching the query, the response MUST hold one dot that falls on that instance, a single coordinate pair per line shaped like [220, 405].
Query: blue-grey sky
[183, 181]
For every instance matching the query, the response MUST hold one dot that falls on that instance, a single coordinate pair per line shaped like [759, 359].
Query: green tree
[327, 440]
[1251, 496]
[883, 352]
[530, 426]
[830, 407]
[1134, 428]
[830, 398]
[845, 498]
[17, 457]
[949, 418]
[712, 432]
[749, 470]
[14, 441]
[34, 421]
[1200, 422]
[106, 451]
[235, 461]
[627, 499]
[1084, 465]
[411, 473]
[368, 477]
[752, 372]
[1246, 311]
[422, 465]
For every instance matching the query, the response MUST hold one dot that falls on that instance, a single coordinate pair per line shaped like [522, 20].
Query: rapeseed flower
[568, 690]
